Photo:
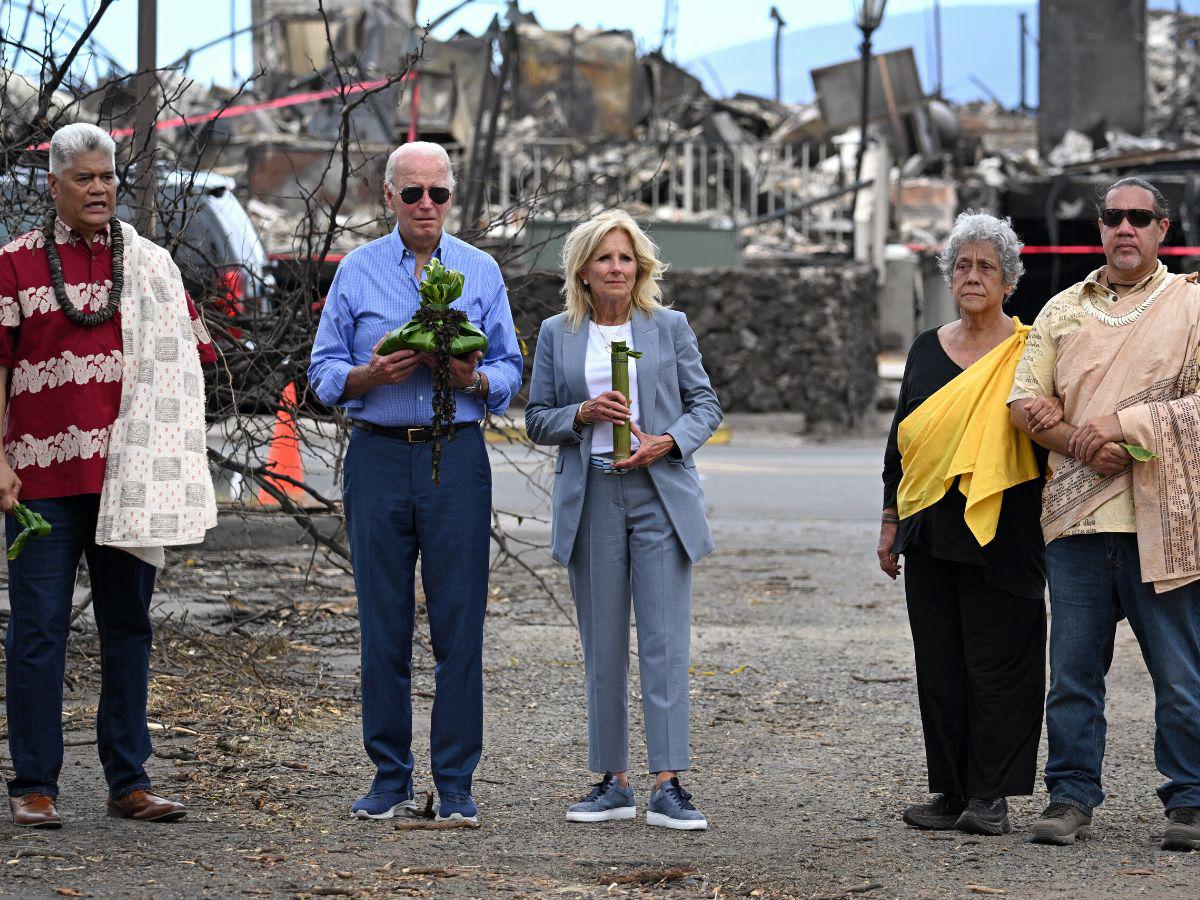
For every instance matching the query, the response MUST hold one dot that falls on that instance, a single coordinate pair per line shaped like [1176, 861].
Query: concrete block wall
[774, 339]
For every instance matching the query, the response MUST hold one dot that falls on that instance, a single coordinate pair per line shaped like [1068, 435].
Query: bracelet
[891, 519]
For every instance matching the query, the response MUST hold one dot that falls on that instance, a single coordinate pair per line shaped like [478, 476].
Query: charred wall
[779, 339]
[1091, 68]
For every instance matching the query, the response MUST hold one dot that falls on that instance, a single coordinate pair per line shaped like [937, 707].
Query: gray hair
[976, 225]
[1162, 208]
[73, 140]
[425, 149]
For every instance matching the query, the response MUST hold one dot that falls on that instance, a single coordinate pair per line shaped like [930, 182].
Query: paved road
[756, 487]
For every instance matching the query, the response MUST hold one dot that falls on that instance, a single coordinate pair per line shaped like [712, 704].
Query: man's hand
[393, 368]
[652, 448]
[10, 487]
[1110, 459]
[1043, 413]
[462, 371]
[1094, 434]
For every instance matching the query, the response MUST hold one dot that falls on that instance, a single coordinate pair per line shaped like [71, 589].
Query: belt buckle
[408, 435]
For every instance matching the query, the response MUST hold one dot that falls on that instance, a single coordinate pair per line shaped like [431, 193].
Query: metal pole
[1178, 63]
[145, 137]
[937, 43]
[779, 24]
[233, 42]
[865, 48]
[1021, 54]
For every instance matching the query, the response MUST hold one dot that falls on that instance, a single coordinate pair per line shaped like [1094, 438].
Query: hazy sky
[703, 26]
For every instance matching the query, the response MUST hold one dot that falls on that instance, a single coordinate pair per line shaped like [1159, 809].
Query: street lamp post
[868, 16]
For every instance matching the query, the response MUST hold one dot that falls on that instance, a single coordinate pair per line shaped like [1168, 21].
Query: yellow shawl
[963, 431]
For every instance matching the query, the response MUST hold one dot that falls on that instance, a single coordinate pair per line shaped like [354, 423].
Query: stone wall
[778, 339]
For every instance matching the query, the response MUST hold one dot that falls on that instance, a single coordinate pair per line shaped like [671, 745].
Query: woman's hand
[607, 407]
[653, 447]
[1043, 413]
[889, 562]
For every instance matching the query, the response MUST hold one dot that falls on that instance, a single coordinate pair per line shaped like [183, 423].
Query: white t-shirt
[597, 369]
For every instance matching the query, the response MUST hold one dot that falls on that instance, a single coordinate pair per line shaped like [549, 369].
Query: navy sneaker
[671, 807]
[607, 801]
[456, 806]
[384, 805]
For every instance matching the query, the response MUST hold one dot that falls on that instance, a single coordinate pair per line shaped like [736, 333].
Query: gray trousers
[625, 546]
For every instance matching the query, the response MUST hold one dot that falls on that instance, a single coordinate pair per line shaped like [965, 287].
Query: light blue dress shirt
[375, 291]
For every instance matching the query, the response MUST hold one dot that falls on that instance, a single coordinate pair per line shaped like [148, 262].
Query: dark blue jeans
[1096, 579]
[40, 583]
[393, 512]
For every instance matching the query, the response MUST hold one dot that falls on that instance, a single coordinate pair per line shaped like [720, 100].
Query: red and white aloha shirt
[64, 386]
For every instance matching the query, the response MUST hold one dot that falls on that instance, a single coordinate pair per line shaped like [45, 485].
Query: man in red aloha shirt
[61, 370]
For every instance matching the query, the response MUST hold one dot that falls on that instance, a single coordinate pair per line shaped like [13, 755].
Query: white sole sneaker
[653, 818]
[609, 815]
[404, 809]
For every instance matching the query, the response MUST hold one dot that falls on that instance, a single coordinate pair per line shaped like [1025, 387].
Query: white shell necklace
[1134, 314]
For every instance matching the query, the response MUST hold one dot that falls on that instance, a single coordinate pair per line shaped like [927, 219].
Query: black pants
[981, 675]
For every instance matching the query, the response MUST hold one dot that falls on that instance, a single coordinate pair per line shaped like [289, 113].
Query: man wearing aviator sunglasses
[394, 511]
[413, 194]
[1121, 508]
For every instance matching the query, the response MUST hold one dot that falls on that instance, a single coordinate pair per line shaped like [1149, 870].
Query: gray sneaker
[607, 801]
[1184, 831]
[1061, 824]
[671, 807]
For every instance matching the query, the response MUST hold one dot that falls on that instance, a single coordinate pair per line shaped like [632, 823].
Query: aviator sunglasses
[1138, 218]
[438, 195]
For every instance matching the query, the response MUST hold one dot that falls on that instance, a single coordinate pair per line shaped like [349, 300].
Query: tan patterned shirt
[1058, 320]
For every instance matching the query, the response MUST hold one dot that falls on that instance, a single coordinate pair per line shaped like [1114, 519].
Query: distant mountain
[977, 41]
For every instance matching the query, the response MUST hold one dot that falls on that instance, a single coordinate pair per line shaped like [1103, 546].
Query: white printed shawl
[157, 488]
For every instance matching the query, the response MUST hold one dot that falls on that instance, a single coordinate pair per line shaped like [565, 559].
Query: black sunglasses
[438, 195]
[1138, 218]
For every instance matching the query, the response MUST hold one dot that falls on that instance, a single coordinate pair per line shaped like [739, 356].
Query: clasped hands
[611, 406]
[1096, 443]
[397, 367]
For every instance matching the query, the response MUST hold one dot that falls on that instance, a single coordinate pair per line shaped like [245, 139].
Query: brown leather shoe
[146, 807]
[34, 811]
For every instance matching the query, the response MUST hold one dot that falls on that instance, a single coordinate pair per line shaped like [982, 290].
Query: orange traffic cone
[284, 455]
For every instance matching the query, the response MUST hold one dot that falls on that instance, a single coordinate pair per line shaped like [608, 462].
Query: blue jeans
[1095, 580]
[40, 583]
[393, 511]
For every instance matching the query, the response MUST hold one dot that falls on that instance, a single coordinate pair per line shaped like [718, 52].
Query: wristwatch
[475, 388]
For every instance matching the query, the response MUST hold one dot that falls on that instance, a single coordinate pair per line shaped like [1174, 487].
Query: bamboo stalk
[622, 436]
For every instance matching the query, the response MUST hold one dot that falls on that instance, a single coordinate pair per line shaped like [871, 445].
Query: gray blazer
[674, 397]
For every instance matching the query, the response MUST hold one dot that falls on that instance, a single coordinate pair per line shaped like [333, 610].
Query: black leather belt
[417, 434]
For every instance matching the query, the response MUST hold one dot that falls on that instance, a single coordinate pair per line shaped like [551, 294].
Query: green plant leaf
[1140, 453]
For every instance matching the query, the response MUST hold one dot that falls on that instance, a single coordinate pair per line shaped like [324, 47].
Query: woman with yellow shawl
[962, 498]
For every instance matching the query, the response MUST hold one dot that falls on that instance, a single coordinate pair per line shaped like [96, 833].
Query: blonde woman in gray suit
[628, 530]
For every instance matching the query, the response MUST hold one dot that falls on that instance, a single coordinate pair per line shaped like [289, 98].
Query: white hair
[72, 140]
[974, 226]
[413, 149]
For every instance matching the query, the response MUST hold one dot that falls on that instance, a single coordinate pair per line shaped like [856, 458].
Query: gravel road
[805, 733]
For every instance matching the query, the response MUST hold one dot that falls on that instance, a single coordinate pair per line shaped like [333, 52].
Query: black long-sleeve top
[1015, 559]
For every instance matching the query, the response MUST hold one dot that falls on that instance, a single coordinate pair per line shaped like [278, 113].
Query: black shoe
[1184, 831]
[985, 815]
[939, 814]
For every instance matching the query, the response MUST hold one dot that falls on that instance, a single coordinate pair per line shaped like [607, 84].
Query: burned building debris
[545, 126]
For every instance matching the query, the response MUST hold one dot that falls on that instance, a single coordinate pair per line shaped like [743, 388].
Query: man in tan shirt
[1120, 350]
